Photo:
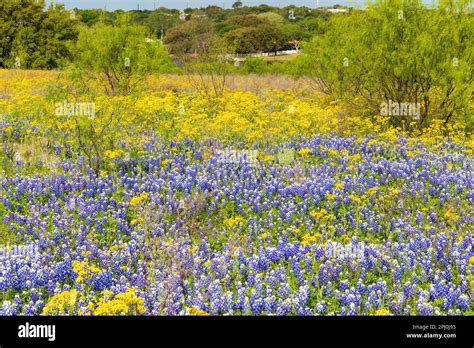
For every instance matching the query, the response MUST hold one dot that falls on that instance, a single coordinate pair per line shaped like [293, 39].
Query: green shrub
[118, 57]
[255, 66]
[398, 51]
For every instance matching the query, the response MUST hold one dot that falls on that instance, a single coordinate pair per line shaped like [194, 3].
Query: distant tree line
[35, 35]
[248, 29]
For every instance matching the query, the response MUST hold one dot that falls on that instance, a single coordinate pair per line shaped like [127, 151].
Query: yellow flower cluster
[451, 216]
[124, 303]
[238, 114]
[372, 191]
[112, 154]
[382, 311]
[357, 158]
[317, 215]
[170, 107]
[84, 270]
[196, 311]
[393, 192]
[305, 152]
[62, 303]
[233, 221]
[139, 199]
[268, 158]
[309, 238]
[356, 199]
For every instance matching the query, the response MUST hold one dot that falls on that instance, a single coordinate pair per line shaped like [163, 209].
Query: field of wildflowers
[271, 201]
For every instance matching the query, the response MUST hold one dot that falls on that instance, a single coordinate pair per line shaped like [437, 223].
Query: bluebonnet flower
[104, 280]
[177, 259]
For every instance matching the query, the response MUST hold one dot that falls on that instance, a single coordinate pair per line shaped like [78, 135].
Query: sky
[181, 4]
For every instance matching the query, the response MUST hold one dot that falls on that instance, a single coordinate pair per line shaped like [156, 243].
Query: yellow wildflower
[382, 311]
[305, 151]
[138, 199]
[308, 239]
[355, 158]
[124, 303]
[112, 154]
[62, 303]
[268, 158]
[372, 191]
[196, 311]
[319, 214]
[393, 192]
[355, 199]
[83, 270]
[233, 221]
[451, 216]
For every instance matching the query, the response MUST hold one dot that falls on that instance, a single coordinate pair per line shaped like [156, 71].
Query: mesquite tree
[399, 52]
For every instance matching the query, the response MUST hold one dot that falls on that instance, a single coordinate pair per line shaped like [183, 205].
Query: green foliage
[117, 57]
[283, 67]
[160, 21]
[237, 4]
[248, 20]
[255, 66]
[261, 38]
[33, 38]
[272, 17]
[398, 51]
[6, 236]
[189, 37]
[89, 17]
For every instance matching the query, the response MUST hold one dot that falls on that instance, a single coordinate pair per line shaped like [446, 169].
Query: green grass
[280, 58]
[6, 237]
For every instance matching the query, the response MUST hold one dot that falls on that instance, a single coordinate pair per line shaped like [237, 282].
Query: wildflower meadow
[193, 190]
